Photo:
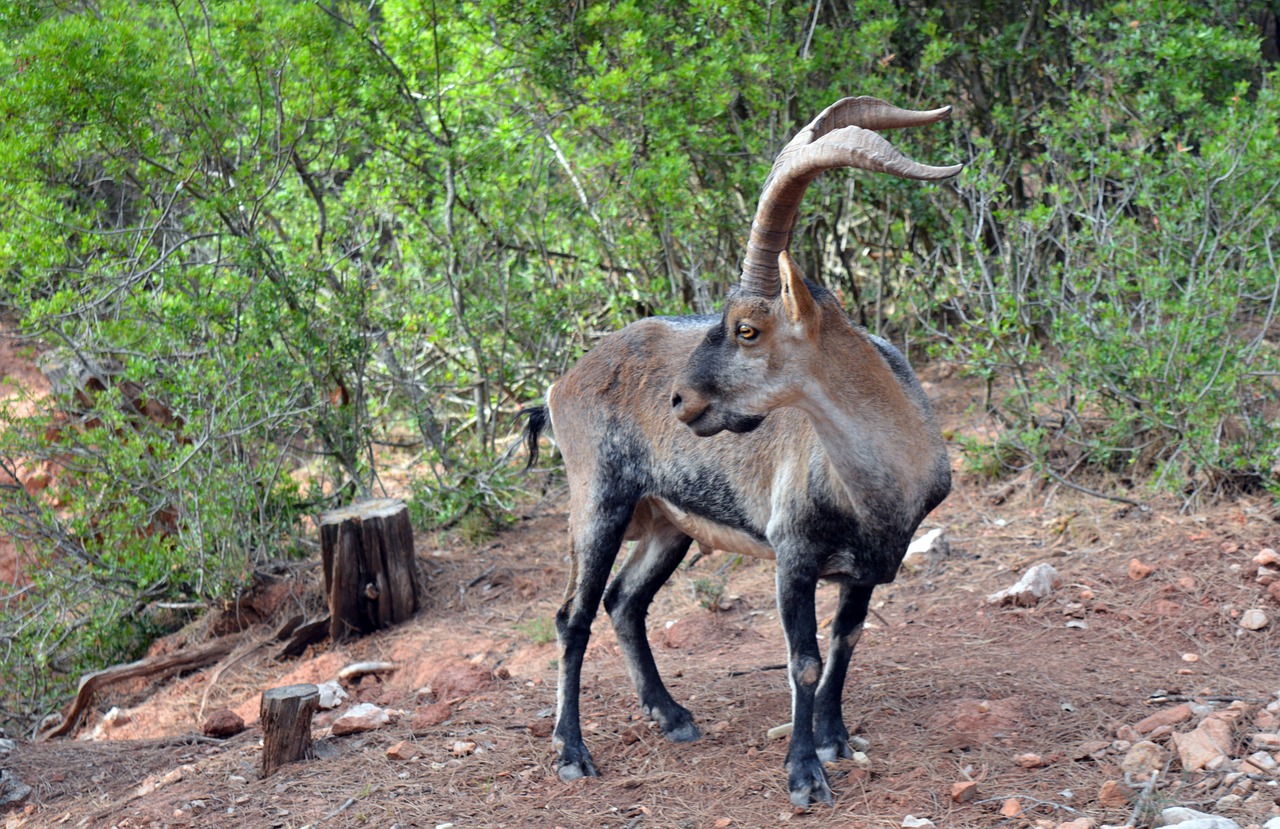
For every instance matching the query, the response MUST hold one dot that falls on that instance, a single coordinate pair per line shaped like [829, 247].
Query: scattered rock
[913, 822]
[1091, 750]
[1129, 734]
[1262, 761]
[1114, 795]
[1138, 570]
[1079, 823]
[1185, 818]
[964, 791]
[462, 748]
[1034, 585]
[222, 723]
[1011, 808]
[1143, 758]
[1269, 742]
[428, 716]
[926, 551]
[332, 695]
[1210, 822]
[1208, 742]
[362, 717]
[1267, 557]
[403, 750]
[1030, 761]
[1229, 803]
[12, 790]
[1167, 717]
[1254, 619]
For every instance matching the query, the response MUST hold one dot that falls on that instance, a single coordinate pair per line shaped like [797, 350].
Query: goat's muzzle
[695, 411]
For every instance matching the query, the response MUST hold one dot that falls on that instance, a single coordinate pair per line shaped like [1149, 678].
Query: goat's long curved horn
[841, 136]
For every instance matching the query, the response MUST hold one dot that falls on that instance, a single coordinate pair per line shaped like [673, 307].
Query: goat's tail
[537, 420]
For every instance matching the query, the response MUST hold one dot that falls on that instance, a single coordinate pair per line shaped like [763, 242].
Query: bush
[1118, 289]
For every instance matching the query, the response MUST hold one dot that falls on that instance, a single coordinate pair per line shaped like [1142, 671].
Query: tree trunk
[286, 725]
[371, 579]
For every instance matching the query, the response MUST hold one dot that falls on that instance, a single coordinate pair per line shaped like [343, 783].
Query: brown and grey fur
[779, 430]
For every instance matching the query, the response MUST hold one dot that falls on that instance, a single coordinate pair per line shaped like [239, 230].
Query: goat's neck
[877, 441]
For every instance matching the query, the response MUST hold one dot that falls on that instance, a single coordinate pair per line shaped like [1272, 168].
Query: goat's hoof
[576, 765]
[807, 782]
[685, 732]
[836, 750]
[675, 721]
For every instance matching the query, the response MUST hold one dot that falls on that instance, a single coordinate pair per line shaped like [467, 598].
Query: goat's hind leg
[597, 535]
[830, 734]
[656, 555]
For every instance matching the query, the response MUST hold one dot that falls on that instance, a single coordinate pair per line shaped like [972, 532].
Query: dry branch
[151, 667]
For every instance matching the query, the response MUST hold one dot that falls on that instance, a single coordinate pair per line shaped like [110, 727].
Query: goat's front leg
[830, 733]
[797, 582]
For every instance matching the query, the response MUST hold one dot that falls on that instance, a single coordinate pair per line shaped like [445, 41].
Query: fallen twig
[155, 666]
[758, 670]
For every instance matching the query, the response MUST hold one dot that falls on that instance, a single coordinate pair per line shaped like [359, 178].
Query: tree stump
[371, 579]
[286, 725]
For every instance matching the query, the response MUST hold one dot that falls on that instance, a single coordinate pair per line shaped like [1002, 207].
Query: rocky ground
[1134, 676]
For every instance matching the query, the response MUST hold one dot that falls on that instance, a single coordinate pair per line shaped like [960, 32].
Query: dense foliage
[261, 239]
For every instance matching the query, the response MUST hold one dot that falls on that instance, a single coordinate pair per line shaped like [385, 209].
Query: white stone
[913, 822]
[332, 695]
[1263, 761]
[1181, 814]
[363, 717]
[1034, 585]
[927, 550]
[1184, 818]
[1274, 823]
[1254, 619]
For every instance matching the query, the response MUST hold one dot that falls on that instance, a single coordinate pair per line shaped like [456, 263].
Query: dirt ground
[945, 687]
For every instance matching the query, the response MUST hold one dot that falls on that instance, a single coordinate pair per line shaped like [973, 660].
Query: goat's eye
[746, 332]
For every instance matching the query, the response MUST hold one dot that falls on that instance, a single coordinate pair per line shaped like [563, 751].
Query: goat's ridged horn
[843, 135]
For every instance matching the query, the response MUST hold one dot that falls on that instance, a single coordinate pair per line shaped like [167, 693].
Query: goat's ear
[797, 302]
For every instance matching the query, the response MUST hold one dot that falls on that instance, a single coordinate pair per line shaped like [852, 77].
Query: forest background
[264, 243]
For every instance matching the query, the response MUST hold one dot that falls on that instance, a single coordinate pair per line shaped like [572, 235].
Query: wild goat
[669, 433]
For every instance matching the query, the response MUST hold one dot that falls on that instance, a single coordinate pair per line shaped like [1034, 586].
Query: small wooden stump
[370, 577]
[286, 725]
